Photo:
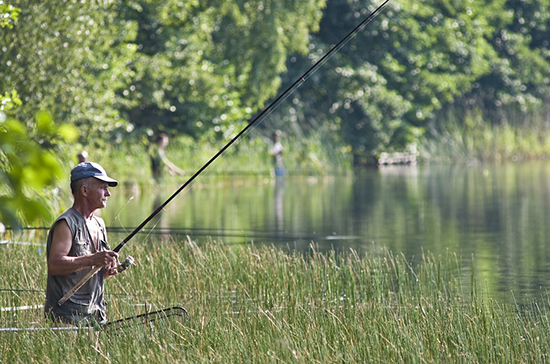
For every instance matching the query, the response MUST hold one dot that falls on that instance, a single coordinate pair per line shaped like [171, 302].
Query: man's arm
[60, 263]
[172, 168]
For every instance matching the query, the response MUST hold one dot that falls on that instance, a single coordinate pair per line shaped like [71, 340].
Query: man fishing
[63, 267]
[77, 242]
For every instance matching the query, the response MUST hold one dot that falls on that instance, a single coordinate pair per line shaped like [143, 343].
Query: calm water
[496, 214]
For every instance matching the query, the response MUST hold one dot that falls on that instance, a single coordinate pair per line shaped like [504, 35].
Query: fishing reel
[129, 261]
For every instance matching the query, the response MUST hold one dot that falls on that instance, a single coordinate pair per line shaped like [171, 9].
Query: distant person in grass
[76, 243]
[159, 161]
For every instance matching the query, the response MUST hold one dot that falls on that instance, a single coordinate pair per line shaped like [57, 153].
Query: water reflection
[496, 214]
[279, 197]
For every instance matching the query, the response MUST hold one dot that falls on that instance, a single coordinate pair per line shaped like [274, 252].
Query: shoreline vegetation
[456, 139]
[464, 136]
[257, 303]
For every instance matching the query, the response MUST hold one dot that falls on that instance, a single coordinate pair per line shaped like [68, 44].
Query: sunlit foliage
[71, 59]
[203, 68]
[8, 15]
[28, 163]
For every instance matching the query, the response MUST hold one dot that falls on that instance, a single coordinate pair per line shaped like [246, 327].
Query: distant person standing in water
[159, 161]
[276, 152]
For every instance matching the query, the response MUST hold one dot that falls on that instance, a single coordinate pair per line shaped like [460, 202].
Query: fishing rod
[144, 318]
[266, 112]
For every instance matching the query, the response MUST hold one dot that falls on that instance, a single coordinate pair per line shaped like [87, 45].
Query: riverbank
[450, 141]
[262, 304]
[130, 162]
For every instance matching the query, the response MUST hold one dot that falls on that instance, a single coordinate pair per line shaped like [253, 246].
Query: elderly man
[77, 242]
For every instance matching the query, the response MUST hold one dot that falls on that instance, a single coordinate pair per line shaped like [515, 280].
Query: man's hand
[104, 258]
[108, 259]
[111, 268]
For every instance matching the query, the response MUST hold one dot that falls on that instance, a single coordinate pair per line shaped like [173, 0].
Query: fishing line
[119, 211]
[154, 226]
[22, 290]
[273, 235]
[125, 229]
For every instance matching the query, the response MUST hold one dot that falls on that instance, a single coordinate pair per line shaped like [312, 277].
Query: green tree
[414, 63]
[70, 58]
[28, 166]
[205, 67]
[519, 74]
[28, 162]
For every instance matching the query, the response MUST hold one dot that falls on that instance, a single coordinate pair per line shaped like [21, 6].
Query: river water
[493, 217]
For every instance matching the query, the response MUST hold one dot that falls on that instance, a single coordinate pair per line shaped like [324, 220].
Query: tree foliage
[414, 61]
[70, 58]
[8, 15]
[29, 164]
[205, 67]
[520, 70]
[27, 153]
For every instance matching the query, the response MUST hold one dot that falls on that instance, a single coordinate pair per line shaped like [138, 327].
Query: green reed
[465, 134]
[263, 304]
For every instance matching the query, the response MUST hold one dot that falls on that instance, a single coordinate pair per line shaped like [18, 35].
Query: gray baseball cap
[91, 169]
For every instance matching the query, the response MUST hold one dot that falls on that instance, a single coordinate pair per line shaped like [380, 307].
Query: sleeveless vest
[87, 303]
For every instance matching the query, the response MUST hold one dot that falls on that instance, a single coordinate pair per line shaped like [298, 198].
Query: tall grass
[129, 161]
[261, 304]
[466, 135]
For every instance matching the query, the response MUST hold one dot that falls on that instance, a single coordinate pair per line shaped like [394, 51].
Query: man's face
[97, 193]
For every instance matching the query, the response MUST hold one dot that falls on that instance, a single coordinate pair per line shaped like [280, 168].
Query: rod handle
[85, 279]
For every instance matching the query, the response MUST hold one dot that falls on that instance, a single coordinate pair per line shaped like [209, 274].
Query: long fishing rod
[260, 116]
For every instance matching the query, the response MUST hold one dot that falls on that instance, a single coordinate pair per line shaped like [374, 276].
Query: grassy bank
[129, 160]
[260, 304]
[451, 139]
[457, 135]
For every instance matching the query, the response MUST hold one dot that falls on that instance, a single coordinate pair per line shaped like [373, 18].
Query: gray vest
[87, 303]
